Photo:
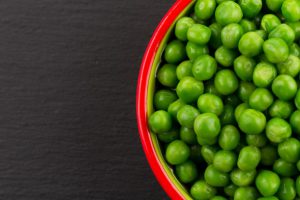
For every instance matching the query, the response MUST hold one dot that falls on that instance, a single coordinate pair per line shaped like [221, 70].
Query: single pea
[284, 87]
[226, 82]
[264, 73]
[249, 193]
[296, 28]
[244, 67]
[175, 52]
[195, 154]
[261, 99]
[249, 158]
[224, 161]
[231, 34]
[250, 8]
[250, 44]
[227, 116]
[208, 153]
[242, 178]
[187, 115]
[169, 136]
[188, 135]
[182, 26]
[215, 177]
[189, 89]
[247, 25]
[256, 140]
[294, 49]
[240, 109]
[230, 190]
[276, 50]
[252, 121]
[281, 109]
[261, 33]
[295, 121]
[229, 137]
[289, 150]
[204, 9]
[211, 89]
[206, 141]
[194, 50]
[268, 155]
[184, 69]
[199, 34]
[297, 99]
[225, 56]
[177, 152]
[215, 38]
[209, 103]
[278, 130]
[160, 121]
[274, 5]
[166, 75]
[287, 189]
[186, 172]
[245, 90]
[267, 182]
[207, 125]
[232, 100]
[204, 67]
[283, 168]
[228, 12]
[175, 107]
[218, 198]
[269, 22]
[291, 10]
[284, 32]
[200, 190]
[163, 98]
[268, 198]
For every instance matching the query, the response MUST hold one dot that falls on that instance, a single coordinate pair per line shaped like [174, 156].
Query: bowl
[144, 100]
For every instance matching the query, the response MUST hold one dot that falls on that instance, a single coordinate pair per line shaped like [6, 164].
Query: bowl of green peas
[218, 100]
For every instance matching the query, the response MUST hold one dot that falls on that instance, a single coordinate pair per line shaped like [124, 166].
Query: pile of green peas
[227, 100]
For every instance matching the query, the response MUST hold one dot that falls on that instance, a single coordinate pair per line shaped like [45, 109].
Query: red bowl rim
[141, 97]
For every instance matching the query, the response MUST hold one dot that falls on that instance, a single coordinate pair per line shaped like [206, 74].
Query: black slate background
[68, 71]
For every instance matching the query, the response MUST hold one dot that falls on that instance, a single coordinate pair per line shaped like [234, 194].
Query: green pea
[261, 99]
[228, 12]
[166, 75]
[291, 10]
[160, 121]
[208, 153]
[189, 89]
[297, 99]
[224, 161]
[252, 121]
[295, 121]
[230, 190]
[194, 50]
[206, 141]
[268, 155]
[227, 116]
[298, 185]
[284, 32]
[204, 9]
[267, 182]
[182, 26]
[249, 193]
[249, 158]
[245, 90]
[240, 109]
[204, 67]
[175, 107]
[215, 38]
[163, 98]
[187, 115]
[218, 198]
[287, 189]
[229, 137]
[284, 87]
[294, 49]
[211, 89]
[276, 50]
[281, 109]
[283, 168]
[231, 34]
[264, 73]
[215, 177]
[209, 103]
[226, 82]
[225, 56]
[170, 136]
[242, 178]
[247, 25]
[200, 190]
[207, 125]
[250, 44]
[199, 34]
[274, 5]
[256, 140]
[184, 69]
[175, 52]
[278, 130]
[186, 172]
[269, 22]
[250, 8]
[177, 152]
[289, 150]
[268, 198]
[244, 67]
[195, 154]
[188, 135]
[296, 28]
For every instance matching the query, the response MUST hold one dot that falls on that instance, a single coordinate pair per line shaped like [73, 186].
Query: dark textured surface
[67, 99]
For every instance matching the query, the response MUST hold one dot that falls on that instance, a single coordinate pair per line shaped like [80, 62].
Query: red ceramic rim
[141, 97]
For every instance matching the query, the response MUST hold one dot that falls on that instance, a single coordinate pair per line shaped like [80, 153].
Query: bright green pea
[227, 116]
[242, 178]
[186, 172]
[166, 75]
[199, 34]
[160, 121]
[261, 99]
[230, 190]
[189, 89]
[284, 32]
[182, 26]
[231, 34]
[226, 82]
[268, 155]
[274, 5]
[206, 141]
[267, 182]
[229, 137]
[284, 87]
[194, 50]
[297, 99]
[269, 22]
[228, 12]
[170, 136]
[175, 52]
[291, 66]
[218, 198]
[287, 189]
[290, 9]
[249, 158]
[247, 25]
[209, 103]
[187, 115]
[163, 98]
[175, 107]
[208, 153]
[281, 109]
[224, 161]
[240, 109]
[276, 50]
[252, 121]
[245, 90]
[289, 150]
[264, 73]
[250, 8]
[244, 67]
[204, 9]
[283, 168]
[177, 152]
[215, 38]
[250, 44]
[294, 49]
[195, 154]
[256, 140]
[204, 67]
[225, 56]
[188, 135]
[278, 130]
[200, 190]
[296, 28]
[243, 193]
[215, 177]
[184, 69]
[295, 121]
[207, 125]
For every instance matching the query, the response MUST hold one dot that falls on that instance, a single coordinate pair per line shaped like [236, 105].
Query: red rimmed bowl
[144, 98]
